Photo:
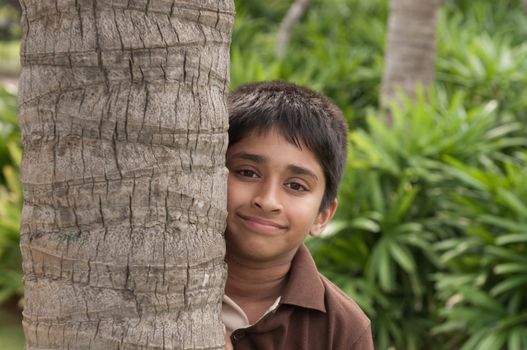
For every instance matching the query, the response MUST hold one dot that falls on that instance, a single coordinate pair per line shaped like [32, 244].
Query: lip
[259, 224]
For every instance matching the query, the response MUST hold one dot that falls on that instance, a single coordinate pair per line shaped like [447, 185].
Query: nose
[267, 197]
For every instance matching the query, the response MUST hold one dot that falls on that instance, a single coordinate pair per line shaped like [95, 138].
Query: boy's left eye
[295, 186]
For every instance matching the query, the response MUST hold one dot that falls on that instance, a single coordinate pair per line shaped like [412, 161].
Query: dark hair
[302, 116]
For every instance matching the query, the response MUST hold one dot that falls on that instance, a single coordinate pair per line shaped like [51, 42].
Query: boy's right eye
[247, 173]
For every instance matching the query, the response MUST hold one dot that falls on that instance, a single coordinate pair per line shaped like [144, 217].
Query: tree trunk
[411, 47]
[122, 109]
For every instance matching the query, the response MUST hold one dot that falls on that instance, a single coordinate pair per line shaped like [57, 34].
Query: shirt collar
[304, 287]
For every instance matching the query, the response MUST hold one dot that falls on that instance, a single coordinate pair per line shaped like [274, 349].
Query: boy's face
[274, 195]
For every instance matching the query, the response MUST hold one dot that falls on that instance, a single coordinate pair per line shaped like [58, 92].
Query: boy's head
[301, 116]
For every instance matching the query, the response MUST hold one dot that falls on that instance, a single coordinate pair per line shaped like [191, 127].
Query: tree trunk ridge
[123, 116]
[411, 48]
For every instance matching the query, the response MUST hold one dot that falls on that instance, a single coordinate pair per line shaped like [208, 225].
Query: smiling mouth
[261, 224]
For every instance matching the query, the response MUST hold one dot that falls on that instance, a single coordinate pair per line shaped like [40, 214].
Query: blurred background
[431, 233]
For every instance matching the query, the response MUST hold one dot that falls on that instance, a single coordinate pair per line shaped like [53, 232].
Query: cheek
[304, 211]
[236, 193]
[230, 193]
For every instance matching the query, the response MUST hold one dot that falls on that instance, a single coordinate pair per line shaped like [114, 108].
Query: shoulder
[339, 302]
[344, 313]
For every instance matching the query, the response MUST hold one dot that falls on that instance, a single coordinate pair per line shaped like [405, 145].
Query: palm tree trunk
[411, 47]
[123, 115]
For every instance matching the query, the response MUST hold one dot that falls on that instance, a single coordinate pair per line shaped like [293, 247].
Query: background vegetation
[431, 234]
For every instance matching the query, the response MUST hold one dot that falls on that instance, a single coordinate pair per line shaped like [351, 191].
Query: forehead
[271, 133]
[257, 138]
[272, 147]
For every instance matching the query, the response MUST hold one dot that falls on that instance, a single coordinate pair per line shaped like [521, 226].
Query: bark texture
[411, 48]
[123, 115]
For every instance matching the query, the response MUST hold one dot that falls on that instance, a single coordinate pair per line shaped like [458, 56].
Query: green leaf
[365, 224]
[15, 152]
[506, 254]
[377, 196]
[508, 268]
[482, 300]
[508, 284]
[416, 240]
[512, 238]
[503, 130]
[514, 342]
[512, 321]
[404, 200]
[402, 256]
[449, 327]
[493, 341]
[513, 202]
[473, 341]
[12, 180]
[463, 247]
[468, 177]
[380, 266]
[463, 313]
[379, 128]
[501, 222]
[333, 228]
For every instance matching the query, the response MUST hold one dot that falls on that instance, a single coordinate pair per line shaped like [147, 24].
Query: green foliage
[272, 10]
[490, 66]
[9, 22]
[11, 333]
[321, 52]
[478, 16]
[10, 199]
[9, 132]
[10, 32]
[403, 195]
[9, 58]
[484, 285]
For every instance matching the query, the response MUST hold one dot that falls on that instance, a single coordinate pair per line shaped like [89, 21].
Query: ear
[323, 218]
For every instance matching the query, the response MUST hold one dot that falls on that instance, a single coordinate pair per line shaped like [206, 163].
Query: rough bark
[123, 115]
[411, 47]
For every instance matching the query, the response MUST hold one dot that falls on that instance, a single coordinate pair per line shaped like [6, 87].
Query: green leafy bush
[397, 200]
[321, 54]
[10, 198]
[9, 56]
[9, 22]
[483, 289]
[489, 67]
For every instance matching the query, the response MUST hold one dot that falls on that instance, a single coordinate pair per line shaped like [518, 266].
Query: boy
[286, 155]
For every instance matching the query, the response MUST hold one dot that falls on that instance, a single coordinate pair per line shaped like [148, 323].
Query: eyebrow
[298, 170]
[295, 169]
[249, 156]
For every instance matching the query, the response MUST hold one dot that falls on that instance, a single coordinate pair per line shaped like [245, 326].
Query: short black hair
[302, 116]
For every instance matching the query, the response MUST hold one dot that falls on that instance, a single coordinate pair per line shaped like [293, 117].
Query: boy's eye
[247, 173]
[295, 186]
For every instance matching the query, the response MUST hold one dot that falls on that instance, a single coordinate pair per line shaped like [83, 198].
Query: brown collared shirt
[312, 313]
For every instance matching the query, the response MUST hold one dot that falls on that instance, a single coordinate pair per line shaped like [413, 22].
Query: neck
[248, 282]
